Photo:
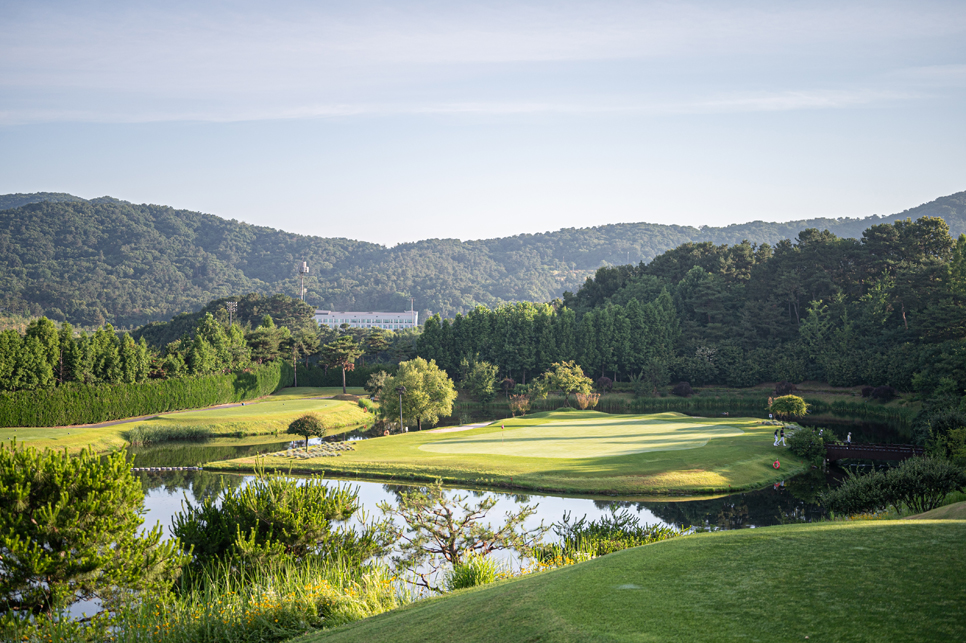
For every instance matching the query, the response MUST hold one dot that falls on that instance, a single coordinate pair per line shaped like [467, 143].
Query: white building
[388, 321]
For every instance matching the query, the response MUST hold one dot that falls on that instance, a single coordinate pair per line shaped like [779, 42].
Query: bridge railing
[839, 450]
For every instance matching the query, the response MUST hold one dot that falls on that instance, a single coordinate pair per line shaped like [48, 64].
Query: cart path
[465, 427]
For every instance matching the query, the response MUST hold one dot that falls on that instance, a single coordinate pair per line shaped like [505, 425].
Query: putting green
[588, 438]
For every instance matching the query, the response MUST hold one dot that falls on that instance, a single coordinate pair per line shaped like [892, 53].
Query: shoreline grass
[724, 465]
[144, 434]
[271, 603]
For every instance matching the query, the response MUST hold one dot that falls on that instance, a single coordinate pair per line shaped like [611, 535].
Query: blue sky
[396, 121]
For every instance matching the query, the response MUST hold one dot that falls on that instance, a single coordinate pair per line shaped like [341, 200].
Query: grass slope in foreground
[584, 452]
[263, 417]
[857, 581]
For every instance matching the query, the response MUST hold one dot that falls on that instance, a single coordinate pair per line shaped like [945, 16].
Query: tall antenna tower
[303, 270]
[232, 306]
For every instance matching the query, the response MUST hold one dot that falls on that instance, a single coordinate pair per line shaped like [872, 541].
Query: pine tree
[74, 531]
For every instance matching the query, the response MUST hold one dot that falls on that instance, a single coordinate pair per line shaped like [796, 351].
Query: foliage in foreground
[582, 540]
[69, 531]
[919, 484]
[473, 570]
[446, 531]
[275, 517]
[271, 602]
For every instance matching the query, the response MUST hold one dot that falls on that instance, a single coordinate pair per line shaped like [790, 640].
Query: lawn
[858, 581]
[580, 452]
[297, 392]
[261, 418]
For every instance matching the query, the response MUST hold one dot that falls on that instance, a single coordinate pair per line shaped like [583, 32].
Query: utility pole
[232, 306]
[400, 390]
[303, 270]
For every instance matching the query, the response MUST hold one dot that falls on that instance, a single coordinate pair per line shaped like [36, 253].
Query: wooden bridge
[838, 451]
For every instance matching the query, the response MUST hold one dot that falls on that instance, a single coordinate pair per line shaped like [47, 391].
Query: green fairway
[858, 581]
[592, 437]
[583, 452]
[265, 417]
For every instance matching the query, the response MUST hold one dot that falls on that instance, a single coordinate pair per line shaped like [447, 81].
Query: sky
[397, 121]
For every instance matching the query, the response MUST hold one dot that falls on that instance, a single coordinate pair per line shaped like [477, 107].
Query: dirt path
[455, 429]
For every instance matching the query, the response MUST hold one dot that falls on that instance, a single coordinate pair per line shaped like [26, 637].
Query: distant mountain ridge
[103, 259]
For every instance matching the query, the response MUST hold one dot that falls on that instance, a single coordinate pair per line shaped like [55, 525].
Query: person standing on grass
[782, 440]
[776, 437]
[848, 439]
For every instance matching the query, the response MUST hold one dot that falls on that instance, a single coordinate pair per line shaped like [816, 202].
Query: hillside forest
[887, 311]
[91, 262]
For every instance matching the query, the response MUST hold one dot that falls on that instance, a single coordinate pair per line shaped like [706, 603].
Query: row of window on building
[370, 319]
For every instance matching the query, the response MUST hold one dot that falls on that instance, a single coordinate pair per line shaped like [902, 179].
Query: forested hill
[90, 261]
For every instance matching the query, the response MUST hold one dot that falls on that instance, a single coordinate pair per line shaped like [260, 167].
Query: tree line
[889, 309]
[105, 260]
[210, 342]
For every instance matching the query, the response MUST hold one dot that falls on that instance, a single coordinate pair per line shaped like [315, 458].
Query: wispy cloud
[119, 62]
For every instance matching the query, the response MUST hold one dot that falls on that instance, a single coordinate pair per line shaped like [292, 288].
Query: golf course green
[580, 452]
[843, 581]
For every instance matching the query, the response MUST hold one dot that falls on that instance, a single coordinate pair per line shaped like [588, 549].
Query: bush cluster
[884, 393]
[919, 484]
[682, 389]
[808, 443]
[472, 571]
[785, 388]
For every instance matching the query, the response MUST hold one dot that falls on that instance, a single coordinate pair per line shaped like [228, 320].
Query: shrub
[920, 484]
[274, 517]
[366, 405]
[89, 507]
[604, 384]
[519, 403]
[587, 400]
[787, 406]
[884, 393]
[473, 570]
[785, 388]
[682, 389]
[807, 443]
[867, 391]
[857, 494]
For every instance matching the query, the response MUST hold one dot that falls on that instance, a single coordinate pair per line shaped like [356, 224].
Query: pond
[792, 501]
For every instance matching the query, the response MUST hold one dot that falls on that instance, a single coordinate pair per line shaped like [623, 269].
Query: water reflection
[794, 501]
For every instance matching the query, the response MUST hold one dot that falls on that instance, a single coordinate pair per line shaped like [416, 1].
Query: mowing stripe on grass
[589, 438]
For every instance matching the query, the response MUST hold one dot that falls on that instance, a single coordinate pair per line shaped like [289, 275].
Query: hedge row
[79, 404]
[317, 376]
